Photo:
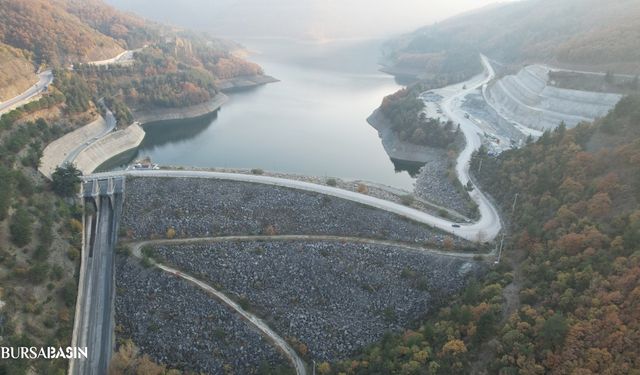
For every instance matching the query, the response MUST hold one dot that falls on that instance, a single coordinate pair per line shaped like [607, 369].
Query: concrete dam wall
[528, 99]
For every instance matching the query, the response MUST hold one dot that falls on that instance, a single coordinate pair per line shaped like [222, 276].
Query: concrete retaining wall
[57, 151]
[108, 147]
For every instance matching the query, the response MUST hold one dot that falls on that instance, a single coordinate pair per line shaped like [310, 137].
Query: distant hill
[56, 33]
[53, 34]
[584, 34]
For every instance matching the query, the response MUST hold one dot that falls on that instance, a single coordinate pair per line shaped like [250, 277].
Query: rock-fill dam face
[527, 99]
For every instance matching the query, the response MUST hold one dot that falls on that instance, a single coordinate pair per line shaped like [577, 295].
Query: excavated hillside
[528, 99]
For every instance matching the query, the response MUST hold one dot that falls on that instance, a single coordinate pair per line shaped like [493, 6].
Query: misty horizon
[311, 20]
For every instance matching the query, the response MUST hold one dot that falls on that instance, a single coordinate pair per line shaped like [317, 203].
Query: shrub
[332, 182]
[407, 199]
[270, 230]
[362, 189]
[65, 180]
[20, 227]
[257, 171]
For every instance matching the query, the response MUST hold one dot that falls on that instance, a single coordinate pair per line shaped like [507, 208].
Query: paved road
[489, 227]
[45, 78]
[258, 323]
[111, 125]
[317, 238]
[122, 58]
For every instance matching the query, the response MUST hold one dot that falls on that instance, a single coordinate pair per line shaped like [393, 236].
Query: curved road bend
[45, 79]
[317, 238]
[110, 126]
[488, 226]
[258, 323]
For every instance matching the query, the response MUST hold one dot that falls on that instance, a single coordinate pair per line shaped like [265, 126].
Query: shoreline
[127, 141]
[152, 116]
[394, 147]
[244, 82]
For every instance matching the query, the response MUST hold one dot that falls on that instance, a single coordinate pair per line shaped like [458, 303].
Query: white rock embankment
[108, 147]
[528, 99]
[57, 151]
[168, 114]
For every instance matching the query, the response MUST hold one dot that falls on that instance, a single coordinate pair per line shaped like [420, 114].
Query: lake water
[312, 122]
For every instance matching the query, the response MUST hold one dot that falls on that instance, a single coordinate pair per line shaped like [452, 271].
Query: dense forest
[587, 34]
[565, 298]
[51, 34]
[403, 109]
[175, 73]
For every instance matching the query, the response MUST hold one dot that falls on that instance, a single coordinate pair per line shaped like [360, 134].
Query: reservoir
[312, 122]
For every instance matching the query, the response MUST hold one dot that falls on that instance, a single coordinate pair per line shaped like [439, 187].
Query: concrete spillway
[93, 324]
[527, 99]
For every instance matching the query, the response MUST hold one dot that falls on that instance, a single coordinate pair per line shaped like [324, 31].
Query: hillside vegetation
[52, 34]
[16, 72]
[587, 34]
[171, 68]
[404, 110]
[565, 299]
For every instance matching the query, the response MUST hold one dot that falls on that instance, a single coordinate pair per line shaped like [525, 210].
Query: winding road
[483, 230]
[258, 323]
[110, 126]
[45, 79]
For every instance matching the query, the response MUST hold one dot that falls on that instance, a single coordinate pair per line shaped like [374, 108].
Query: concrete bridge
[94, 320]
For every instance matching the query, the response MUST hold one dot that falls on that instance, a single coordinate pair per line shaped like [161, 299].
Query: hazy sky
[308, 19]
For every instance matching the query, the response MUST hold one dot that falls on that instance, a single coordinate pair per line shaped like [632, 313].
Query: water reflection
[175, 131]
[312, 122]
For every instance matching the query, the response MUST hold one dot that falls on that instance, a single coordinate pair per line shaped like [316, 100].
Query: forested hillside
[587, 34]
[16, 73]
[52, 34]
[565, 299]
[403, 109]
[40, 237]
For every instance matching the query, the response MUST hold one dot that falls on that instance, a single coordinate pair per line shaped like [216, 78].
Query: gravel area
[197, 207]
[182, 326]
[374, 189]
[334, 297]
[434, 184]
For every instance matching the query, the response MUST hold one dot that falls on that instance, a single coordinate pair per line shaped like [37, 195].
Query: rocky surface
[196, 207]
[184, 327]
[527, 98]
[373, 189]
[334, 297]
[435, 184]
